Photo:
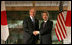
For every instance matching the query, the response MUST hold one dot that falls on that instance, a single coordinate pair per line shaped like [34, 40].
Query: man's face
[32, 12]
[45, 16]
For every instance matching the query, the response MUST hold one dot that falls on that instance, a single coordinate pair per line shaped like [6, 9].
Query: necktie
[33, 20]
[44, 24]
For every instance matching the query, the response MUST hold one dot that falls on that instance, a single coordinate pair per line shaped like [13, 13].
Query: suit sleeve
[25, 27]
[46, 30]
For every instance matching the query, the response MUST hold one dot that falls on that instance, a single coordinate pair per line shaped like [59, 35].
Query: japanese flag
[4, 25]
[67, 40]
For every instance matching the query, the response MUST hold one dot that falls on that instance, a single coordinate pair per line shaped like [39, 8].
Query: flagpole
[61, 7]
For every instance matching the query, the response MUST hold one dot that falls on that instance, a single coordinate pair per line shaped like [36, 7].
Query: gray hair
[45, 12]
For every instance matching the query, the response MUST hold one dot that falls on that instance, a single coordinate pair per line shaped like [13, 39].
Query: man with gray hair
[46, 29]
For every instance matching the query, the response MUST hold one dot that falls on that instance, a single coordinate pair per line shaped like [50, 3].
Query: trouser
[32, 40]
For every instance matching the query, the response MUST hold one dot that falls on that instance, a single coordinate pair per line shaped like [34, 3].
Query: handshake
[36, 32]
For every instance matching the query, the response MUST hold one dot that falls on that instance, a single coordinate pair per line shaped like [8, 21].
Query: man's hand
[35, 32]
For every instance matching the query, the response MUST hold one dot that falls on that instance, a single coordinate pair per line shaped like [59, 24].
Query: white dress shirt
[46, 20]
[32, 18]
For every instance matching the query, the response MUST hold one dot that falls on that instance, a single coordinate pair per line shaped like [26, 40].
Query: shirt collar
[31, 17]
[46, 20]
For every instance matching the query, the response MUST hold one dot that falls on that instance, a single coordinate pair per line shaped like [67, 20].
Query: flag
[60, 24]
[4, 25]
[68, 17]
[67, 40]
[60, 27]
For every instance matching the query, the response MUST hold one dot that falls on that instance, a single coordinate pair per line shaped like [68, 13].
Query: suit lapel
[31, 21]
[42, 25]
[45, 24]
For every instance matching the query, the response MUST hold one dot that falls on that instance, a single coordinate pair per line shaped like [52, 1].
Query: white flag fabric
[67, 40]
[4, 25]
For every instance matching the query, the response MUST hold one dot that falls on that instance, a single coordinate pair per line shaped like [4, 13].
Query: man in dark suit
[31, 26]
[46, 29]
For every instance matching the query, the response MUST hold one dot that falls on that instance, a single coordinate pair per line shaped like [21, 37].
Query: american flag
[60, 27]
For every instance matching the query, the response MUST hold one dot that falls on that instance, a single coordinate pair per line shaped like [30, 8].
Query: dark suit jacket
[29, 27]
[46, 32]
